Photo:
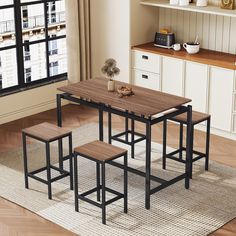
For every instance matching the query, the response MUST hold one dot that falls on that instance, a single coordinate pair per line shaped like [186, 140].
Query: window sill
[34, 86]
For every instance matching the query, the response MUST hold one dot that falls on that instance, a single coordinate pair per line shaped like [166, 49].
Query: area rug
[208, 205]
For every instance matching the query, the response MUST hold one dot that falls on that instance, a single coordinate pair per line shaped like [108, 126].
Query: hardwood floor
[15, 220]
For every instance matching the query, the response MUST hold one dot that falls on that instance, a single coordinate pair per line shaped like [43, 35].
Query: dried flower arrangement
[110, 69]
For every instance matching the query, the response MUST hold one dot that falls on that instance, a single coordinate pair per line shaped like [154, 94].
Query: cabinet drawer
[146, 79]
[146, 61]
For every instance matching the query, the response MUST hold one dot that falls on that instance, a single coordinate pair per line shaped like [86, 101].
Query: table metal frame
[149, 122]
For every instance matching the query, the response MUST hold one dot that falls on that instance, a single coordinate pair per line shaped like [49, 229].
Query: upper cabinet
[215, 10]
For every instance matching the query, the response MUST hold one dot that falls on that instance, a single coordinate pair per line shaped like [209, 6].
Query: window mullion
[19, 48]
[46, 38]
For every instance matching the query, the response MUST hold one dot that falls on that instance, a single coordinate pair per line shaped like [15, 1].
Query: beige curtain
[78, 40]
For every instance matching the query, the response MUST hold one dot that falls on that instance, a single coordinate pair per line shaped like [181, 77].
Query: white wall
[115, 26]
[16, 106]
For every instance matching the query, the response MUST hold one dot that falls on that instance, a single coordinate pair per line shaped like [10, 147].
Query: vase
[111, 85]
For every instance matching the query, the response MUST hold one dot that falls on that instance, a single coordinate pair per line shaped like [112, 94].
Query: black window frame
[20, 45]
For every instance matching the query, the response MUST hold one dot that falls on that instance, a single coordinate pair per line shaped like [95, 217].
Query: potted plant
[110, 70]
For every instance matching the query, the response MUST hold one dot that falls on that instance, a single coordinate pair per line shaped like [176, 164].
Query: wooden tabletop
[205, 56]
[145, 102]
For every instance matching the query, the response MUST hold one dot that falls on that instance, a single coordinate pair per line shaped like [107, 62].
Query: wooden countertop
[208, 57]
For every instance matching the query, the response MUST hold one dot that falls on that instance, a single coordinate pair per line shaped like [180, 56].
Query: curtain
[78, 40]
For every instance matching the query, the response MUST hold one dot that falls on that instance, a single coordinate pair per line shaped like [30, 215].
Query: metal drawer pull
[144, 57]
[144, 76]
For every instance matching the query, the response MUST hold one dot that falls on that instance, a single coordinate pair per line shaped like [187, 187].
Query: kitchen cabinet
[221, 97]
[196, 85]
[172, 76]
[146, 69]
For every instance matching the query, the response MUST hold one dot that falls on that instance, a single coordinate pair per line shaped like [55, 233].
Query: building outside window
[32, 36]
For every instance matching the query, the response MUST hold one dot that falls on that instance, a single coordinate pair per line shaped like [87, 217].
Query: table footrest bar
[89, 201]
[60, 177]
[89, 192]
[173, 153]
[137, 172]
[112, 191]
[58, 169]
[38, 179]
[167, 183]
[37, 171]
[66, 158]
[169, 156]
[199, 157]
[121, 140]
[120, 196]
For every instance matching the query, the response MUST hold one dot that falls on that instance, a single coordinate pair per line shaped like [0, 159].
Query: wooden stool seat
[100, 151]
[197, 117]
[46, 132]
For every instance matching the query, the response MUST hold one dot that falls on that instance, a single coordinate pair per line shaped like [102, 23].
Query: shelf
[214, 10]
[208, 57]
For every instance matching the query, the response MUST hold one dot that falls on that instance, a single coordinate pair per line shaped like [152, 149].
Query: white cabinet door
[221, 97]
[172, 76]
[146, 79]
[196, 85]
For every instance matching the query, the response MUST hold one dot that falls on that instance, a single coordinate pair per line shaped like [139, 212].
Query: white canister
[174, 2]
[183, 2]
[201, 3]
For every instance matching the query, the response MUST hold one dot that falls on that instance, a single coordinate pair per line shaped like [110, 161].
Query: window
[53, 68]
[28, 75]
[32, 43]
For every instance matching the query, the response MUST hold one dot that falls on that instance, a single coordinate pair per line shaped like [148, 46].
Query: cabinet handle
[144, 57]
[145, 76]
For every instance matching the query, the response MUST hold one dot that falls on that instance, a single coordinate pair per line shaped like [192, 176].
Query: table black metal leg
[181, 130]
[132, 138]
[191, 160]
[59, 112]
[48, 170]
[25, 160]
[100, 124]
[148, 164]
[208, 143]
[125, 185]
[76, 183]
[164, 144]
[71, 161]
[98, 181]
[126, 129]
[109, 128]
[60, 152]
[103, 194]
[188, 147]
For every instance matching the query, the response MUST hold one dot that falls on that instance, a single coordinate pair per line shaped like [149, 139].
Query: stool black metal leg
[98, 181]
[208, 143]
[76, 182]
[164, 144]
[188, 147]
[48, 170]
[125, 184]
[109, 127]
[71, 161]
[25, 160]
[60, 152]
[59, 112]
[103, 194]
[132, 138]
[191, 160]
[181, 129]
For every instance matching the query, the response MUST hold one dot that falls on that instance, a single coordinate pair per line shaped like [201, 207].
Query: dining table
[146, 106]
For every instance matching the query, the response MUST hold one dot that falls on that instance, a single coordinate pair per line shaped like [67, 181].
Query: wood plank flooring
[15, 220]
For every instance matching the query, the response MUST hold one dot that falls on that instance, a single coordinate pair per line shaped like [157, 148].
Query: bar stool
[48, 133]
[101, 153]
[197, 118]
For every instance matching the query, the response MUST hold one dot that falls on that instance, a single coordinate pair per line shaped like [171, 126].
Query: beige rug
[209, 204]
